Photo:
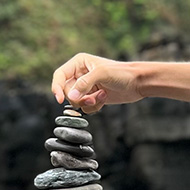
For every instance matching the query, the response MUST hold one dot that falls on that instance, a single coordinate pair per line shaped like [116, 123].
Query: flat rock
[68, 161]
[77, 150]
[60, 177]
[73, 135]
[71, 113]
[69, 121]
[84, 187]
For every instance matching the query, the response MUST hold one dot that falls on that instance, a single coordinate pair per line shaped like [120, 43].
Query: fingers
[87, 74]
[86, 83]
[60, 76]
[68, 85]
[58, 92]
[87, 100]
[94, 102]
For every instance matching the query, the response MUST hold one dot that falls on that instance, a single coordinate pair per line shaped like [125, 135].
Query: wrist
[163, 79]
[147, 77]
[154, 79]
[141, 77]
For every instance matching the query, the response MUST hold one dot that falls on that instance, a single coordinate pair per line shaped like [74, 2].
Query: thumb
[83, 85]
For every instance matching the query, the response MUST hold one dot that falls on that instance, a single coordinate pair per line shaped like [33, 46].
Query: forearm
[163, 79]
[90, 82]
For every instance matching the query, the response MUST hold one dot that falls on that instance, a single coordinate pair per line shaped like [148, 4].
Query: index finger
[60, 76]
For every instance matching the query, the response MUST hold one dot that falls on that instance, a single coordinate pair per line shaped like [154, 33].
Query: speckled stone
[84, 187]
[77, 150]
[73, 135]
[69, 121]
[60, 177]
[68, 161]
[72, 113]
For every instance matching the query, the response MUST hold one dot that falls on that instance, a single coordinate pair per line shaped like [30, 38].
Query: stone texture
[77, 150]
[71, 121]
[60, 177]
[73, 135]
[71, 113]
[68, 161]
[84, 187]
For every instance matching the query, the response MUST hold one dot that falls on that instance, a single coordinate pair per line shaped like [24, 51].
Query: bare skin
[90, 82]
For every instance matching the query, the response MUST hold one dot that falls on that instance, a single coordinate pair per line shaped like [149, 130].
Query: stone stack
[71, 154]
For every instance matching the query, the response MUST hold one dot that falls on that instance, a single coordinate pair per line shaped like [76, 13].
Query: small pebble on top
[72, 113]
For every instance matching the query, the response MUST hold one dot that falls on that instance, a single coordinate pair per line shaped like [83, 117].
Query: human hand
[89, 82]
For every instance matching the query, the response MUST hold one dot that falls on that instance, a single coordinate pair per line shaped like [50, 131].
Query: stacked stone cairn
[71, 155]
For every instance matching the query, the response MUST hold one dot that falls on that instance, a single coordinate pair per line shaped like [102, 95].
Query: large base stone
[60, 177]
[85, 187]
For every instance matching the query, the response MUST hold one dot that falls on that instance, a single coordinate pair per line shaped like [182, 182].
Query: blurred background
[141, 146]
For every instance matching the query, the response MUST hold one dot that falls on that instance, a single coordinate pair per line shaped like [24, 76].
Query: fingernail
[102, 96]
[74, 94]
[89, 102]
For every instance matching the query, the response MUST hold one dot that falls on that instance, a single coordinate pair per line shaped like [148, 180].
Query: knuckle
[56, 73]
[80, 55]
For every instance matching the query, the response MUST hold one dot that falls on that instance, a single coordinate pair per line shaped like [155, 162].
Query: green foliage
[128, 24]
[38, 36]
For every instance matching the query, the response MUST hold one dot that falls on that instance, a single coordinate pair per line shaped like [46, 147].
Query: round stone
[72, 113]
[84, 187]
[77, 150]
[68, 161]
[69, 121]
[60, 178]
[73, 135]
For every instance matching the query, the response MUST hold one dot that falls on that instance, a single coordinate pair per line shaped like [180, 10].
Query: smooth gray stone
[84, 187]
[73, 135]
[69, 121]
[60, 177]
[68, 161]
[77, 150]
